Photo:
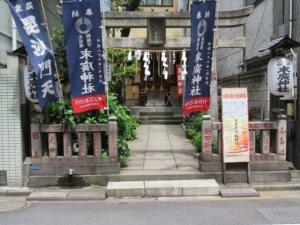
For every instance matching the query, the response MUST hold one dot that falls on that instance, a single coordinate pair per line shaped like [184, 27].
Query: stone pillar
[265, 148]
[252, 141]
[36, 143]
[82, 144]
[52, 145]
[67, 143]
[281, 137]
[113, 136]
[97, 144]
[206, 138]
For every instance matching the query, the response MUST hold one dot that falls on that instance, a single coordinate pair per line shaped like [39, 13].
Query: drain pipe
[14, 34]
[291, 20]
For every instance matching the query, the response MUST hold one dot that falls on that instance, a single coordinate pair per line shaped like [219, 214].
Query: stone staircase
[158, 115]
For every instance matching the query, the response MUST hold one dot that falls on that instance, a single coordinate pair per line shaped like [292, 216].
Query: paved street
[281, 207]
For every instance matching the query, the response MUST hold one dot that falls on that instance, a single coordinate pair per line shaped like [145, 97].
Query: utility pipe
[14, 34]
[291, 20]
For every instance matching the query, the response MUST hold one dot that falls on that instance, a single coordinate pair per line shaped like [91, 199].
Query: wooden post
[281, 137]
[52, 145]
[36, 143]
[113, 136]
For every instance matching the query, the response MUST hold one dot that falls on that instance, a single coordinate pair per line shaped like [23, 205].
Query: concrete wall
[258, 33]
[229, 59]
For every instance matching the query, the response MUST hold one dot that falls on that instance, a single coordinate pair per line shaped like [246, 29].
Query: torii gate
[226, 19]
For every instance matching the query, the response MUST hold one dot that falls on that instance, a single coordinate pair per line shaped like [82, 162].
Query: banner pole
[105, 53]
[51, 46]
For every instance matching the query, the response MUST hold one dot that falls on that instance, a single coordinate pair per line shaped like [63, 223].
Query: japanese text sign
[28, 21]
[197, 95]
[85, 54]
[235, 125]
[179, 79]
[280, 76]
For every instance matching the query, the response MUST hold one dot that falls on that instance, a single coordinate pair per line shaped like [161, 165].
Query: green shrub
[193, 129]
[61, 113]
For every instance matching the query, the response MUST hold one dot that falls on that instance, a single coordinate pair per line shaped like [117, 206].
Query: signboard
[280, 76]
[84, 54]
[29, 23]
[108, 71]
[30, 84]
[197, 94]
[235, 125]
[179, 80]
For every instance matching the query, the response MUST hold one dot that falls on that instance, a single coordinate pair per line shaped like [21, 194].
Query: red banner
[179, 79]
[87, 103]
[196, 105]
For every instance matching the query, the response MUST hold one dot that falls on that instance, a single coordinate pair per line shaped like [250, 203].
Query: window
[158, 3]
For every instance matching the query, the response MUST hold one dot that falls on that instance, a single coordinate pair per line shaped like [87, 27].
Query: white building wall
[11, 149]
[259, 29]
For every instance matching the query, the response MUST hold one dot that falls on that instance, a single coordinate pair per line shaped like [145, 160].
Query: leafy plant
[63, 114]
[193, 129]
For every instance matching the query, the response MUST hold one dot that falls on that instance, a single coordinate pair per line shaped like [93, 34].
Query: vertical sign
[235, 125]
[197, 95]
[179, 79]
[28, 21]
[84, 53]
[30, 84]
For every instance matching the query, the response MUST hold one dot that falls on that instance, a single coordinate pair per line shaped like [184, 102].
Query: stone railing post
[281, 137]
[206, 138]
[36, 143]
[67, 142]
[113, 136]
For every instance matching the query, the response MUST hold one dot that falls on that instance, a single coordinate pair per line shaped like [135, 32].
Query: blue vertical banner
[197, 95]
[85, 54]
[28, 20]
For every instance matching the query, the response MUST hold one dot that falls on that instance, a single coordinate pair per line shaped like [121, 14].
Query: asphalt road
[271, 208]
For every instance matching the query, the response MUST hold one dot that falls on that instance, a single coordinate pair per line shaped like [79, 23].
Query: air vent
[3, 178]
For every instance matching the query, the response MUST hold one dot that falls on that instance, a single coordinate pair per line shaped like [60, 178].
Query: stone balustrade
[272, 140]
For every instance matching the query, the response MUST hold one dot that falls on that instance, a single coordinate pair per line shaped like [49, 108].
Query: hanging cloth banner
[84, 54]
[179, 79]
[202, 36]
[28, 21]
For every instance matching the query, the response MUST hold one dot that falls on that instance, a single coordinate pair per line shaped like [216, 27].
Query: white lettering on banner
[45, 68]
[47, 88]
[87, 77]
[30, 25]
[39, 47]
[29, 6]
[75, 13]
[89, 12]
[88, 88]
[18, 8]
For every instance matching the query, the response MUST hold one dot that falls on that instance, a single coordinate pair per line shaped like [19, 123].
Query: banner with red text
[179, 80]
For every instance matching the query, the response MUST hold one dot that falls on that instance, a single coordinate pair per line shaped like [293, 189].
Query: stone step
[163, 188]
[161, 121]
[161, 118]
[295, 174]
[156, 114]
